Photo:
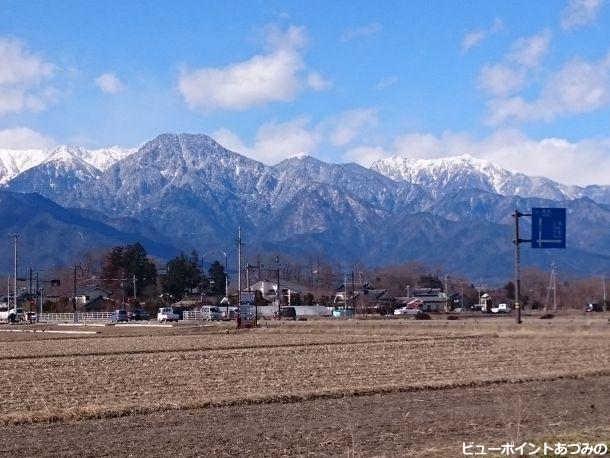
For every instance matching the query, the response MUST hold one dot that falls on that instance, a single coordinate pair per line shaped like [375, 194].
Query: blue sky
[520, 83]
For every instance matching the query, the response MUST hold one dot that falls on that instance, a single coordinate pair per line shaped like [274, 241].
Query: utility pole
[74, 299]
[604, 287]
[248, 267]
[353, 293]
[226, 281]
[238, 242]
[462, 296]
[446, 293]
[15, 239]
[345, 290]
[518, 241]
[38, 299]
[278, 292]
[258, 258]
[134, 288]
[554, 268]
[279, 289]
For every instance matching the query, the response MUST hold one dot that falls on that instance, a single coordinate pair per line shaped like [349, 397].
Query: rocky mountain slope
[452, 214]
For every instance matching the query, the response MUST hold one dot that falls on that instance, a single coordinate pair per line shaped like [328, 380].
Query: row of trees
[131, 275]
[186, 275]
[157, 282]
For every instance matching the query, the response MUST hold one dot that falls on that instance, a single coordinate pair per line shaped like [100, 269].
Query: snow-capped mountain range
[14, 162]
[188, 191]
[444, 175]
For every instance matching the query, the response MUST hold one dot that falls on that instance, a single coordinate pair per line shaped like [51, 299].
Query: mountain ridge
[190, 190]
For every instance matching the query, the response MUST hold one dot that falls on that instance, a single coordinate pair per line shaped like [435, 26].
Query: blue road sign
[548, 227]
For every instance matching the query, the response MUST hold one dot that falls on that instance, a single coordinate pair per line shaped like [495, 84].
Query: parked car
[211, 313]
[140, 315]
[30, 317]
[20, 314]
[228, 315]
[409, 311]
[594, 307]
[119, 316]
[285, 313]
[12, 315]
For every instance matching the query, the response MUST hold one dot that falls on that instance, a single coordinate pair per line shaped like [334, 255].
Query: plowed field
[61, 380]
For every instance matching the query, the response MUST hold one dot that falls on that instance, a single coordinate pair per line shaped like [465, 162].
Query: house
[88, 294]
[268, 289]
[431, 299]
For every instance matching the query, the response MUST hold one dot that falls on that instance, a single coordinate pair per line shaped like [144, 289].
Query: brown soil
[399, 388]
[427, 423]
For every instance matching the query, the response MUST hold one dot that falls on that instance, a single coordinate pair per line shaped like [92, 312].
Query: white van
[211, 312]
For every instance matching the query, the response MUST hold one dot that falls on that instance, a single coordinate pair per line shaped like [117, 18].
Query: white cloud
[109, 83]
[231, 141]
[22, 75]
[317, 82]
[529, 51]
[525, 55]
[387, 82]
[274, 141]
[24, 138]
[350, 124]
[264, 78]
[579, 13]
[365, 31]
[578, 87]
[476, 37]
[365, 155]
[500, 79]
[472, 39]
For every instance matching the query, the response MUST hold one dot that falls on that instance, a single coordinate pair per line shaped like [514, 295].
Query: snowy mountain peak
[449, 174]
[300, 156]
[13, 162]
[103, 158]
[67, 154]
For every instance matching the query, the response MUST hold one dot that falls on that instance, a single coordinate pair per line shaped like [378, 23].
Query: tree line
[184, 276]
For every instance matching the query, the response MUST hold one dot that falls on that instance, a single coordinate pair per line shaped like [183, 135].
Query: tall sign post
[517, 241]
[548, 231]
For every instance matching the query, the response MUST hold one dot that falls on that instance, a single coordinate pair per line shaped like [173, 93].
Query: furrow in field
[63, 388]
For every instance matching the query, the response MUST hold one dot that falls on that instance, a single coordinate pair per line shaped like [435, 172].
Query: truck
[166, 314]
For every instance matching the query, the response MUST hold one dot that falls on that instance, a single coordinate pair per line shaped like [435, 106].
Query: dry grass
[171, 344]
[69, 379]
